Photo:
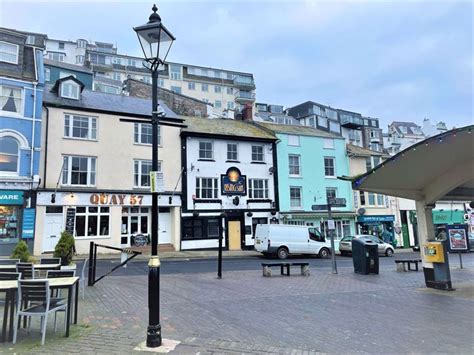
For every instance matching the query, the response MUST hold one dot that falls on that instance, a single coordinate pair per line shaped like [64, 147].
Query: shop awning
[313, 215]
[440, 167]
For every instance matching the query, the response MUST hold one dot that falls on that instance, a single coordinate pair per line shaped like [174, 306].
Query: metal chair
[27, 270]
[82, 279]
[34, 300]
[50, 261]
[9, 261]
[56, 294]
[4, 276]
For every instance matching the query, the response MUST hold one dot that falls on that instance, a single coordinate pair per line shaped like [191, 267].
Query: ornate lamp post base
[153, 335]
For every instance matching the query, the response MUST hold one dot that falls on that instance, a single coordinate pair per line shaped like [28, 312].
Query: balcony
[351, 121]
[375, 139]
[245, 96]
[244, 82]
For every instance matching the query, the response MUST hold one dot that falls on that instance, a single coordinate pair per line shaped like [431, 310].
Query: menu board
[70, 220]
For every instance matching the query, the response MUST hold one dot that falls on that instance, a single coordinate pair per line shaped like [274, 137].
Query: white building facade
[95, 170]
[229, 183]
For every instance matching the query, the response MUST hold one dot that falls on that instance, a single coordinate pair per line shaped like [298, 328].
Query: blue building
[308, 162]
[21, 95]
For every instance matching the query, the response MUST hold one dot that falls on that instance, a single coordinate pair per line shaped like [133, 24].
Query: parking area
[244, 312]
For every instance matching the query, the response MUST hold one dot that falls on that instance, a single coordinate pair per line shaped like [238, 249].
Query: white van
[281, 239]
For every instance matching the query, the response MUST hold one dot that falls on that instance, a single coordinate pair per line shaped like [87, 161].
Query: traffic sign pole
[331, 235]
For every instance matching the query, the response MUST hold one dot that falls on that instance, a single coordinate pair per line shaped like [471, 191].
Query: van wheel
[282, 253]
[324, 253]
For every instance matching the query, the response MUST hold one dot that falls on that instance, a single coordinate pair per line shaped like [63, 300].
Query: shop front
[118, 219]
[381, 226]
[13, 216]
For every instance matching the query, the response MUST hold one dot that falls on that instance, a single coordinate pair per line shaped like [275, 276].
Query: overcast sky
[392, 60]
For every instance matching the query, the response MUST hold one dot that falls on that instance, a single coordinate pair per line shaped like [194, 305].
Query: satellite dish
[361, 211]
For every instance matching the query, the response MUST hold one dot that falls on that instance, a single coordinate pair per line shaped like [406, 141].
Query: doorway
[53, 226]
[234, 235]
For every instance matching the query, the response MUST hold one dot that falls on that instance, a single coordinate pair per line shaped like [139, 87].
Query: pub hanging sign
[233, 182]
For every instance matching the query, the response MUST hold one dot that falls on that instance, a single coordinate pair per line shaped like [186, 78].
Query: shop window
[9, 155]
[9, 224]
[92, 221]
[200, 228]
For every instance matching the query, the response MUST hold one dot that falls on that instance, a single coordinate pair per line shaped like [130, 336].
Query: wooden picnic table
[10, 287]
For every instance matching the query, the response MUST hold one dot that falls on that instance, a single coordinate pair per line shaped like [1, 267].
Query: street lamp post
[152, 36]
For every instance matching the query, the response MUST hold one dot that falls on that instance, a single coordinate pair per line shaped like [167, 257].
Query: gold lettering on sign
[106, 199]
[94, 199]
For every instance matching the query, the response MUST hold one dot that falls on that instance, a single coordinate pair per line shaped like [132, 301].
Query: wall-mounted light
[249, 214]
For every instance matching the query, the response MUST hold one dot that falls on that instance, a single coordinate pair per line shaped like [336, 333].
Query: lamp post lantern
[155, 41]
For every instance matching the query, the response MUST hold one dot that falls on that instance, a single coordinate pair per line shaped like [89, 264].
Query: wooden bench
[403, 262]
[267, 271]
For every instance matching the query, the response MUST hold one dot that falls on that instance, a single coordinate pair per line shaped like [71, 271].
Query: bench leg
[409, 266]
[416, 266]
[282, 271]
[305, 270]
[267, 272]
[287, 269]
[400, 267]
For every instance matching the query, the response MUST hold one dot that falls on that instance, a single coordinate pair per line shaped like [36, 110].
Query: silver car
[345, 245]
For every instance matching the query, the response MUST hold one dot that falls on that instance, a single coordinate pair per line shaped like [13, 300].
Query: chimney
[247, 112]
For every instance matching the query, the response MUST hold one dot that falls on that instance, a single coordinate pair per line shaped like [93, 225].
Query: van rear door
[261, 237]
[315, 240]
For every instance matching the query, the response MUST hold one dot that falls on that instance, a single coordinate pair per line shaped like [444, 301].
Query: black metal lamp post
[154, 37]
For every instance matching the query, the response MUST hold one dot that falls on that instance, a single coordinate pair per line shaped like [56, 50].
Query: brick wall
[180, 104]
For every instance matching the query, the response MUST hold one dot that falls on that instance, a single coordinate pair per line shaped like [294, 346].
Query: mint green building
[309, 162]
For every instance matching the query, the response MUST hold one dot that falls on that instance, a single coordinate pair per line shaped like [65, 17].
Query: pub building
[95, 180]
[229, 183]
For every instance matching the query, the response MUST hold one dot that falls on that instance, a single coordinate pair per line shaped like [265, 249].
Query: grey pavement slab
[249, 314]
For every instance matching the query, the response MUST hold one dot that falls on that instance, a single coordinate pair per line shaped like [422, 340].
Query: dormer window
[70, 90]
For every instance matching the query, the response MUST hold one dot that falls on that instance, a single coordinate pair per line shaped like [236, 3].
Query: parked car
[345, 246]
[283, 240]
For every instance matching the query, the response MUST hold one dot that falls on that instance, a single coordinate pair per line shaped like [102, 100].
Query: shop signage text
[233, 182]
[116, 199]
[11, 197]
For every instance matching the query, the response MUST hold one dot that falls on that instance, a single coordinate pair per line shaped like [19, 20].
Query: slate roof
[273, 117]
[226, 127]
[364, 152]
[297, 130]
[99, 101]
[408, 125]
[73, 67]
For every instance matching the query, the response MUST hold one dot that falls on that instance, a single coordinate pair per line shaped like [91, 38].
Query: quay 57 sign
[116, 199]
[233, 182]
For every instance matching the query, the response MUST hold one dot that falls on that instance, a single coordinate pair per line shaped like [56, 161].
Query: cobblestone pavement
[247, 313]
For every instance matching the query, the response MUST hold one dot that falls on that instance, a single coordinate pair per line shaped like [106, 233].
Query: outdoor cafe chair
[50, 261]
[56, 294]
[34, 300]
[27, 270]
[9, 261]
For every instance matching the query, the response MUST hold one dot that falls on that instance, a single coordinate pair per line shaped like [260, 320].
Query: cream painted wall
[114, 149]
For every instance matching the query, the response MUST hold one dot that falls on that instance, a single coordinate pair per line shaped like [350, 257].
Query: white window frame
[217, 89]
[9, 53]
[137, 134]
[66, 179]
[230, 105]
[101, 212]
[60, 56]
[290, 165]
[47, 74]
[18, 160]
[30, 39]
[232, 152]
[138, 172]
[205, 87]
[80, 59]
[333, 167]
[70, 94]
[263, 153]
[261, 191]
[300, 205]
[214, 188]
[294, 140]
[206, 150]
[175, 75]
[22, 100]
[116, 75]
[191, 86]
[329, 143]
[69, 127]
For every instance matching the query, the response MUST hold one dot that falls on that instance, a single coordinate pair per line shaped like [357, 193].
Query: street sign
[319, 207]
[337, 202]
[156, 181]
[331, 224]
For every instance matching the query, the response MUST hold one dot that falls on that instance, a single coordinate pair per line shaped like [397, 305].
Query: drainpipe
[46, 146]
[32, 154]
